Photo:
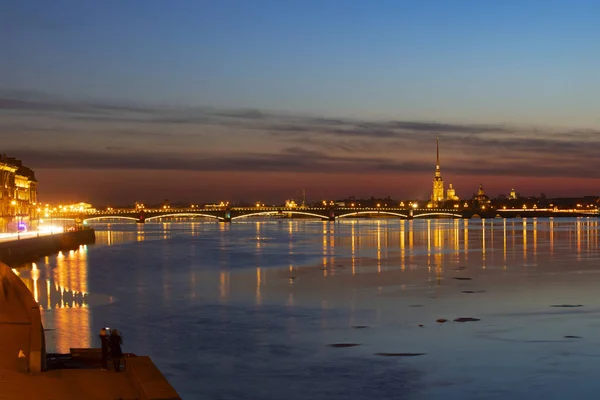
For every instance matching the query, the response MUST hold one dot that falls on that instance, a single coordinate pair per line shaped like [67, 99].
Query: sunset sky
[119, 101]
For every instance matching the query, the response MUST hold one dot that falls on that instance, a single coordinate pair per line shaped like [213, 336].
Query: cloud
[293, 159]
[243, 114]
[209, 139]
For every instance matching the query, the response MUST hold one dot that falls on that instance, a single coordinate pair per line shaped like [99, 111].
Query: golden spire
[437, 160]
[437, 149]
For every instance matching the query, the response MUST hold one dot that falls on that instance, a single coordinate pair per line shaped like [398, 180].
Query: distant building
[78, 207]
[18, 195]
[481, 197]
[513, 194]
[437, 195]
[451, 194]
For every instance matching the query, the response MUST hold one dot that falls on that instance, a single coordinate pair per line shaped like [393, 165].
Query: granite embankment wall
[31, 249]
[21, 327]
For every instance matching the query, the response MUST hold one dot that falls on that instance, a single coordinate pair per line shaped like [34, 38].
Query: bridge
[229, 214]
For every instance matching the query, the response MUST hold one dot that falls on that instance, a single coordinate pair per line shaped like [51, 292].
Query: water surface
[249, 310]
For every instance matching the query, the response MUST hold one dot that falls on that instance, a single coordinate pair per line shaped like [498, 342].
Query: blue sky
[522, 64]
[458, 59]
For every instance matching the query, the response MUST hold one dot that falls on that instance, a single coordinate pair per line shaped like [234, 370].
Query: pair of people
[111, 343]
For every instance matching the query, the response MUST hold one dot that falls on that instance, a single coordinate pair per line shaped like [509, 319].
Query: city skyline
[115, 103]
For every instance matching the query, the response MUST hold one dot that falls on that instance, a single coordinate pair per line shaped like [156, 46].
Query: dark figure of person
[115, 343]
[104, 342]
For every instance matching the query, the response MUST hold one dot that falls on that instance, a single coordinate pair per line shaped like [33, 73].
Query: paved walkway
[13, 337]
[66, 384]
[11, 237]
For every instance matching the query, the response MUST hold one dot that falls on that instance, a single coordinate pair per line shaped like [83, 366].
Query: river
[251, 309]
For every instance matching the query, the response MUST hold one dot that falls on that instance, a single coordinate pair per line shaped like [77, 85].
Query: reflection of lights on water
[353, 247]
[325, 252]
[224, 285]
[35, 275]
[466, 238]
[258, 283]
[378, 247]
[48, 293]
[534, 237]
[551, 235]
[483, 243]
[428, 238]
[504, 234]
[578, 231]
[64, 303]
[524, 238]
[402, 249]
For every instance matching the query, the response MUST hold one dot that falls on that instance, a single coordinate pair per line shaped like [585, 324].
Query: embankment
[31, 249]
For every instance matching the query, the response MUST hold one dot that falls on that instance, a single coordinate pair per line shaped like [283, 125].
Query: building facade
[437, 195]
[18, 195]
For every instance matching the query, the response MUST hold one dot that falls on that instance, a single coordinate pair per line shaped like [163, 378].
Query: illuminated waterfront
[213, 302]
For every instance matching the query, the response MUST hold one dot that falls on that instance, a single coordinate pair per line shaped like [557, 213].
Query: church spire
[437, 159]
[438, 183]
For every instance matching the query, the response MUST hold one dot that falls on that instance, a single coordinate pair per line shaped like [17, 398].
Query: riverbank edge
[31, 249]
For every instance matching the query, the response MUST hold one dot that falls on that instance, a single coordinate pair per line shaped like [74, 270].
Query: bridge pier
[331, 216]
[141, 221]
[227, 216]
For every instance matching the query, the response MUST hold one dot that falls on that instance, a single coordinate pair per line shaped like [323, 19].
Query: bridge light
[504, 207]
[401, 204]
[415, 205]
[483, 207]
[352, 205]
[378, 205]
[456, 206]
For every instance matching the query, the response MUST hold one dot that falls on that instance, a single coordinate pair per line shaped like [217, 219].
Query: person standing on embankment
[115, 343]
[104, 342]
